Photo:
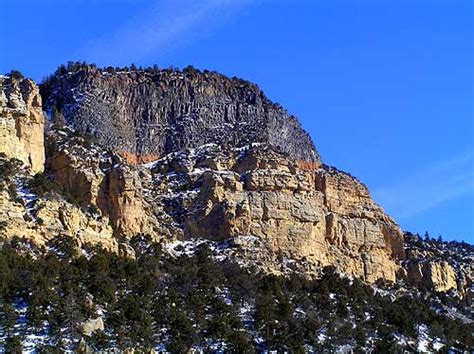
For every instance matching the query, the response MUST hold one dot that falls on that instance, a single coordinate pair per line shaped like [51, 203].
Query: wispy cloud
[429, 187]
[158, 28]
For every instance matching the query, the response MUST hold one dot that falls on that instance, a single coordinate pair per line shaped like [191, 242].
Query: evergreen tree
[57, 118]
[13, 345]
[16, 75]
[8, 318]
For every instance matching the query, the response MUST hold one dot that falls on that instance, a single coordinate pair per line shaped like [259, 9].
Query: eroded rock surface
[258, 194]
[22, 122]
[440, 266]
[102, 179]
[24, 214]
[268, 206]
[154, 113]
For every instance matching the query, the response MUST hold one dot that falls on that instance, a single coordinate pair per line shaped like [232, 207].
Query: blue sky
[384, 87]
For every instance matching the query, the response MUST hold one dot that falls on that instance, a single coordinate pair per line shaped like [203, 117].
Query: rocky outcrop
[268, 206]
[121, 198]
[442, 276]
[22, 122]
[101, 179]
[235, 167]
[24, 214]
[92, 325]
[437, 275]
[259, 195]
[440, 266]
[58, 217]
[155, 112]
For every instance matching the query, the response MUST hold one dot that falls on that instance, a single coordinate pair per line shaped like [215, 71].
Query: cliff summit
[155, 112]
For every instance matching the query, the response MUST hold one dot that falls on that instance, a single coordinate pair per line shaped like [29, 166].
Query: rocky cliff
[22, 122]
[104, 180]
[187, 157]
[274, 209]
[266, 205]
[441, 266]
[33, 211]
[153, 113]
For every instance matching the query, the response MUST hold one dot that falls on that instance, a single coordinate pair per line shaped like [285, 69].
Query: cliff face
[192, 156]
[273, 208]
[234, 168]
[155, 113]
[260, 201]
[102, 179]
[22, 122]
[440, 266]
[263, 208]
[211, 188]
[41, 218]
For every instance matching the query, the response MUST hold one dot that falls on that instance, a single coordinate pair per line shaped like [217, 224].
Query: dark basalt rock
[155, 112]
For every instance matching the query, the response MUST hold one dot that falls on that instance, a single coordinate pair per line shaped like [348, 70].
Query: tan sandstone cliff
[102, 179]
[270, 207]
[313, 215]
[41, 219]
[22, 122]
[320, 216]
[440, 267]
[438, 275]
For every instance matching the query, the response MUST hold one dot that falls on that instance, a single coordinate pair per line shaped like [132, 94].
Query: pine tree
[427, 236]
[8, 318]
[13, 345]
[57, 118]
[16, 75]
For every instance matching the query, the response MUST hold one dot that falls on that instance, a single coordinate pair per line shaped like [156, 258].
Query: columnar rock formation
[155, 113]
[22, 122]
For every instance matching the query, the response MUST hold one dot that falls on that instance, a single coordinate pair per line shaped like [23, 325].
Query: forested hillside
[59, 298]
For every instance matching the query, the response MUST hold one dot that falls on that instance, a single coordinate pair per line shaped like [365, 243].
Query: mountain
[263, 182]
[204, 169]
